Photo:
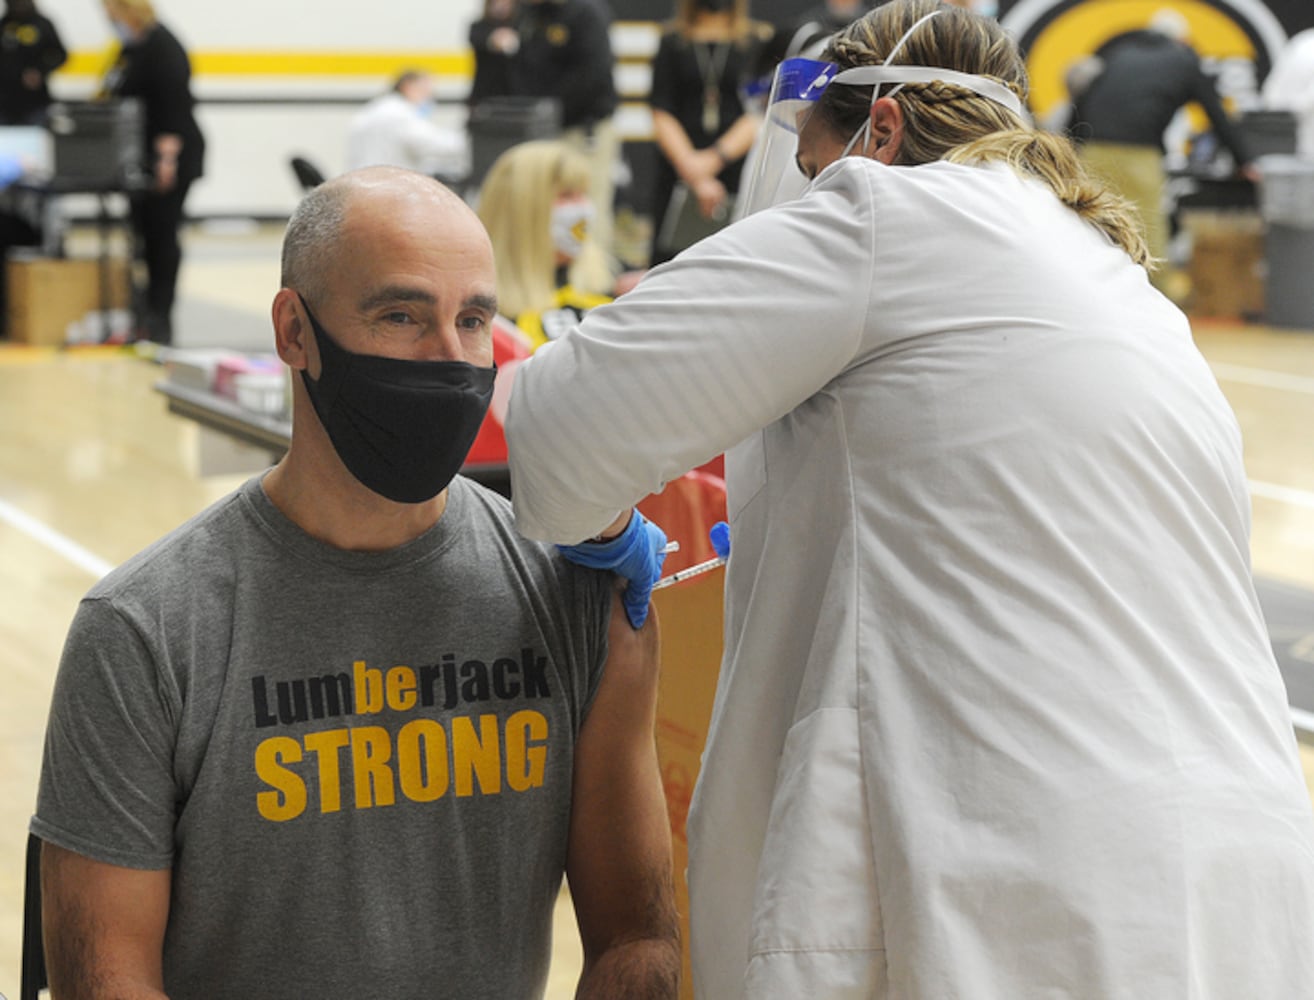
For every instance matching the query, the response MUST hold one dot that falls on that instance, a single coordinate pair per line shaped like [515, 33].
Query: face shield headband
[772, 174]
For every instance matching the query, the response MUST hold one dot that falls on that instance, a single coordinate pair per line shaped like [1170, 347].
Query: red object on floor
[686, 511]
[510, 347]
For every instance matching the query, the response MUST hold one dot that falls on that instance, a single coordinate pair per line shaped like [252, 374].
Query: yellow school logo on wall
[1057, 33]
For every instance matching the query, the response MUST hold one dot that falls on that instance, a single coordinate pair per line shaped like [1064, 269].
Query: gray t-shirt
[358, 765]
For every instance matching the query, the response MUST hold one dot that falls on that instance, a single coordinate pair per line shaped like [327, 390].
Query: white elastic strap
[877, 75]
[908, 34]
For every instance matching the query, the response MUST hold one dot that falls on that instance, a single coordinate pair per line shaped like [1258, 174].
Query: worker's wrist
[613, 530]
[721, 154]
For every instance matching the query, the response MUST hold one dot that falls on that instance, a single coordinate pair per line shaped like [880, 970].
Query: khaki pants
[602, 147]
[1136, 173]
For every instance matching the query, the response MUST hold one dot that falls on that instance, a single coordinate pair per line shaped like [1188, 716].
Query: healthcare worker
[998, 717]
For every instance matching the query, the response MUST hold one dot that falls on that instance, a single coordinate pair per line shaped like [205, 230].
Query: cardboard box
[691, 620]
[46, 294]
[1227, 264]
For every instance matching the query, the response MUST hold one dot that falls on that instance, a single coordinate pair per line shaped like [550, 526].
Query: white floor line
[1303, 721]
[1262, 376]
[1283, 494]
[53, 540]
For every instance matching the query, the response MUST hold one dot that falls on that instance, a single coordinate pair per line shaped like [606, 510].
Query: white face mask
[570, 226]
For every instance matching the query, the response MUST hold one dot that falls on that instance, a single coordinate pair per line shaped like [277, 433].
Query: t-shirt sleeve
[107, 789]
[597, 615]
[662, 97]
[170, 101]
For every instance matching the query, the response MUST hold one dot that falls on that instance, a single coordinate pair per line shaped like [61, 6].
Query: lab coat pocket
[816, 916]
[745, 473]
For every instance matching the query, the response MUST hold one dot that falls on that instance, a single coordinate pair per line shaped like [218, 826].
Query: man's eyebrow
[395, 293]
[485, 302]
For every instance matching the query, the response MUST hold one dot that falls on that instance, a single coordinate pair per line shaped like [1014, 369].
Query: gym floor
[93, 467]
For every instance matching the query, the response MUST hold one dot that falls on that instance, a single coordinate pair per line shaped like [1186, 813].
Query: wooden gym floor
[92, 468]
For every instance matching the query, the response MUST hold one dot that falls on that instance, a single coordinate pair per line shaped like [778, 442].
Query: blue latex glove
[719, 536]
[635, 554]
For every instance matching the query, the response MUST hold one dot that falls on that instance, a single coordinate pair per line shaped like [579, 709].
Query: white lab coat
[998, 717]
[1290, 87]
[390, 131]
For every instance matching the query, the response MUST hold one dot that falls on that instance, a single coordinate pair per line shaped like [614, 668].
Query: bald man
[342, 733]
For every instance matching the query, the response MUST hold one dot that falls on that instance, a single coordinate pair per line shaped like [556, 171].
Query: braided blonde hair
[946, 122]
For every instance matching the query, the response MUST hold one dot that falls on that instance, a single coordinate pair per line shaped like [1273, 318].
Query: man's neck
[330, 505]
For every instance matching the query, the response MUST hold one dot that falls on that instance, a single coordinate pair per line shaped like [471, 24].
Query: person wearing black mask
[703, 128]
[30, 50]
[354, 673]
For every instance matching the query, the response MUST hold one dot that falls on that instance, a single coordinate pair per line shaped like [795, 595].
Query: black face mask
[403, 428]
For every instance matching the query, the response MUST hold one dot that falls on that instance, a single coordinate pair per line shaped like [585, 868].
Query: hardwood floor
[92, 468]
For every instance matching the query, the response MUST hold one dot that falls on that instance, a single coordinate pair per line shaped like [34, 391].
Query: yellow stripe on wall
[253, 63]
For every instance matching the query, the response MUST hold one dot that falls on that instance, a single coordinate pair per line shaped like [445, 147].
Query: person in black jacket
[565, 52]
[153, 67]
[30, 50]
[1121, 116]
[494, 41]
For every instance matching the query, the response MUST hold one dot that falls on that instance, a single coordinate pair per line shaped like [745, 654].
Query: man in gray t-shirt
[341, 734]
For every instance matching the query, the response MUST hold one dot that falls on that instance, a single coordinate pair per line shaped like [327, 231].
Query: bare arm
[103, 928]
[619, 858]
[693, 165]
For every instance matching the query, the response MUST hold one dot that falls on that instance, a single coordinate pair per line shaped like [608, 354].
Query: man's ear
[886, 130]
[292, 334]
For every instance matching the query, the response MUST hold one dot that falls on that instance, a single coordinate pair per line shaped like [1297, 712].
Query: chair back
[308, 175]
[34, 953]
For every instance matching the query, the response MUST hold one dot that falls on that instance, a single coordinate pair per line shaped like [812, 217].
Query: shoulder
[671, 37]
[196, 550]
[867, 184]
[489, 525]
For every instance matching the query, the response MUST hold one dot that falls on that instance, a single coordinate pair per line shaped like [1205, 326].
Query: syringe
[684, 574]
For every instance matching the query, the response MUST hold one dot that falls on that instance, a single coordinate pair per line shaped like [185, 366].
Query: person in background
[809, 32]
[702, 128]
[341, 734]
[564, 51]
[999, 717]
[494, 42]
[30, 50]
[1290, 87]
[536, 207]
[152, 66]
[397, 129]
[1121, 117]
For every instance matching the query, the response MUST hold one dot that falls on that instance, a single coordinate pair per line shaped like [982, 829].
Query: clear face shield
[772, 173]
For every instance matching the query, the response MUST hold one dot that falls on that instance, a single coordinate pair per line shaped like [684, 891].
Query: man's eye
[473, 323]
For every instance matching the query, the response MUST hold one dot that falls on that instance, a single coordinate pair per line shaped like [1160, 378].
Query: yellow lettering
[369, 688]
[422, 760]
[525, 764]
[476, 755]
[325, 746]
[370, 751]
[288, 800]
[401, 689]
